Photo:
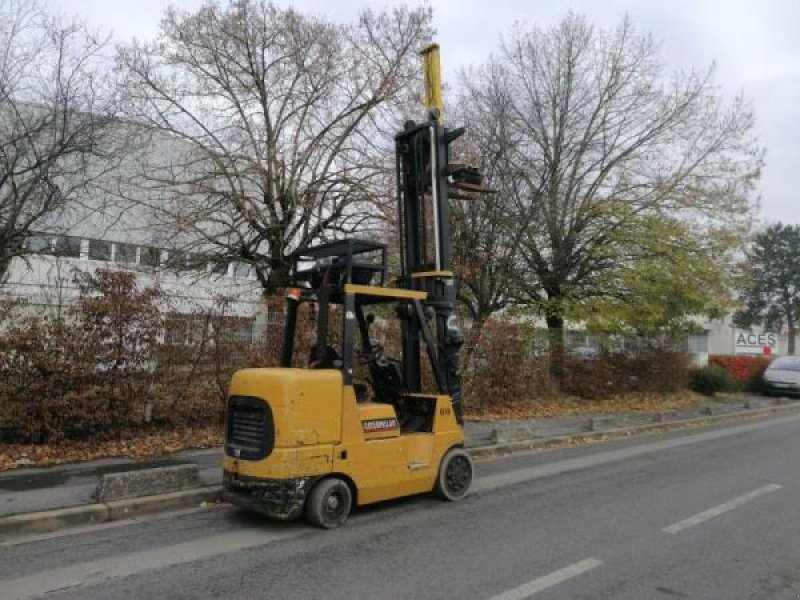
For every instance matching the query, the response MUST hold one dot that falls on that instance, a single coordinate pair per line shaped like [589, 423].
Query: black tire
[455, 475]
[329, 503]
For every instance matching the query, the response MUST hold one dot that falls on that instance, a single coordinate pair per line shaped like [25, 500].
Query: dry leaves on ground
[567, 406]
[138, 445]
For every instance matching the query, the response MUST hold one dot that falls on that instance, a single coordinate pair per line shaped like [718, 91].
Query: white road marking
[721, 509]
[526, 590]
[134, 563]
[499, 480]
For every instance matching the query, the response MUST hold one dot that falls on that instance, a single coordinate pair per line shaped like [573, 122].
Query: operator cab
[348, 276]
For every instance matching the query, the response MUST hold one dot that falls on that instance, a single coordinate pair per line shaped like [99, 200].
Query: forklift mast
[425, 286]
[424, 178]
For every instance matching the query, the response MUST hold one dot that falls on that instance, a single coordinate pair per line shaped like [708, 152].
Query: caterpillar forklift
[314, 440]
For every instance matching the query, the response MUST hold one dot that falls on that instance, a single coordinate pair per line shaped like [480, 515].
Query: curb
[496, 450]
[52, 520]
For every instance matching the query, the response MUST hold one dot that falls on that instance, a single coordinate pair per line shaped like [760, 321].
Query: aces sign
[747, 342]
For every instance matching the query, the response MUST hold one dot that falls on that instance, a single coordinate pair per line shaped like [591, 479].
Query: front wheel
[455, 475]
[329, 503]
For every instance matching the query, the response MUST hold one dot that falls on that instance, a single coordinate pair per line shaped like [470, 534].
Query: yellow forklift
[313, 440]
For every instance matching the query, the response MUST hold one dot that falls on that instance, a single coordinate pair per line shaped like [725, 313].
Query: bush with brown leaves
[105, 368]
[510, 365]
[85, 374]
[651, 366]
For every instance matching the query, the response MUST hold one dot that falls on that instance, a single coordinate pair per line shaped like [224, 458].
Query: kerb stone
[503, 434]
[146, 482]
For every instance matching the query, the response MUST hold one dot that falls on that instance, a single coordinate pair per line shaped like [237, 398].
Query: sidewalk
[30, 490]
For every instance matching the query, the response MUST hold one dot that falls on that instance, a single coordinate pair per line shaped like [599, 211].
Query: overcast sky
[755, 44]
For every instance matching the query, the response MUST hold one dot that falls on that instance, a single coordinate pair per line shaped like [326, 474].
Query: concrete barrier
[146, 482]
[503, 434]
[756, 403]
[665, 415]
[599, 423]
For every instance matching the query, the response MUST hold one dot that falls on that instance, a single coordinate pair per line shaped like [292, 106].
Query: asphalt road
[706, 514]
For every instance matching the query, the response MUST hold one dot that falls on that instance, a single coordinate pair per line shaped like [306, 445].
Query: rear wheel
[329, 503]
[455, 475]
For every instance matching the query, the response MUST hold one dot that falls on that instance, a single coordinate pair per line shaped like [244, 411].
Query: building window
[150, 257]
[39, 243]
[125, 254]
[66, 245]
[243, 330]
[219, 267]
[176, 261]
[99, 250]
[175, 331]
[197, 331]
[275, 316]
[242, 270]
[232, 329]
[698, 343]
[186, 330]
[196, 262]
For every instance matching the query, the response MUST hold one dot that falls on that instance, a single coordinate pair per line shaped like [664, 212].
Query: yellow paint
[431, 274]
[369, 290]
[305, 403]
[432, 75]
[319, 430]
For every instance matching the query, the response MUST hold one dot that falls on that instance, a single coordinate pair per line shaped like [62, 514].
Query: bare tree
[278, 122]
[56, 105]
[484, 230]
[602, 161]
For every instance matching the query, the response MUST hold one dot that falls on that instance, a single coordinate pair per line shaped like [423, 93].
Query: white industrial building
[113, 226]
[722, 337]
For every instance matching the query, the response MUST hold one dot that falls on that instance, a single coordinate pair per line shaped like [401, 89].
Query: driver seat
[331, 359]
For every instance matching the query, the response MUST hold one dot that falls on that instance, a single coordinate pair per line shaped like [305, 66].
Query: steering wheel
[376, 352]
[332, 359]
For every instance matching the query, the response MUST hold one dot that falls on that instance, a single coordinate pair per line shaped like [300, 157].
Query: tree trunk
[277, 279]
[555, 338]
[5, 266]
[792, 336]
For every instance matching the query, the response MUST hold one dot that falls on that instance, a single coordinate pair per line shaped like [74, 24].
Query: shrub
[710, 380]
[508, 366]
[104, 370]
[742, 369]
[83, 375]
[502, 370]
[651, 366]
[756, 384]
